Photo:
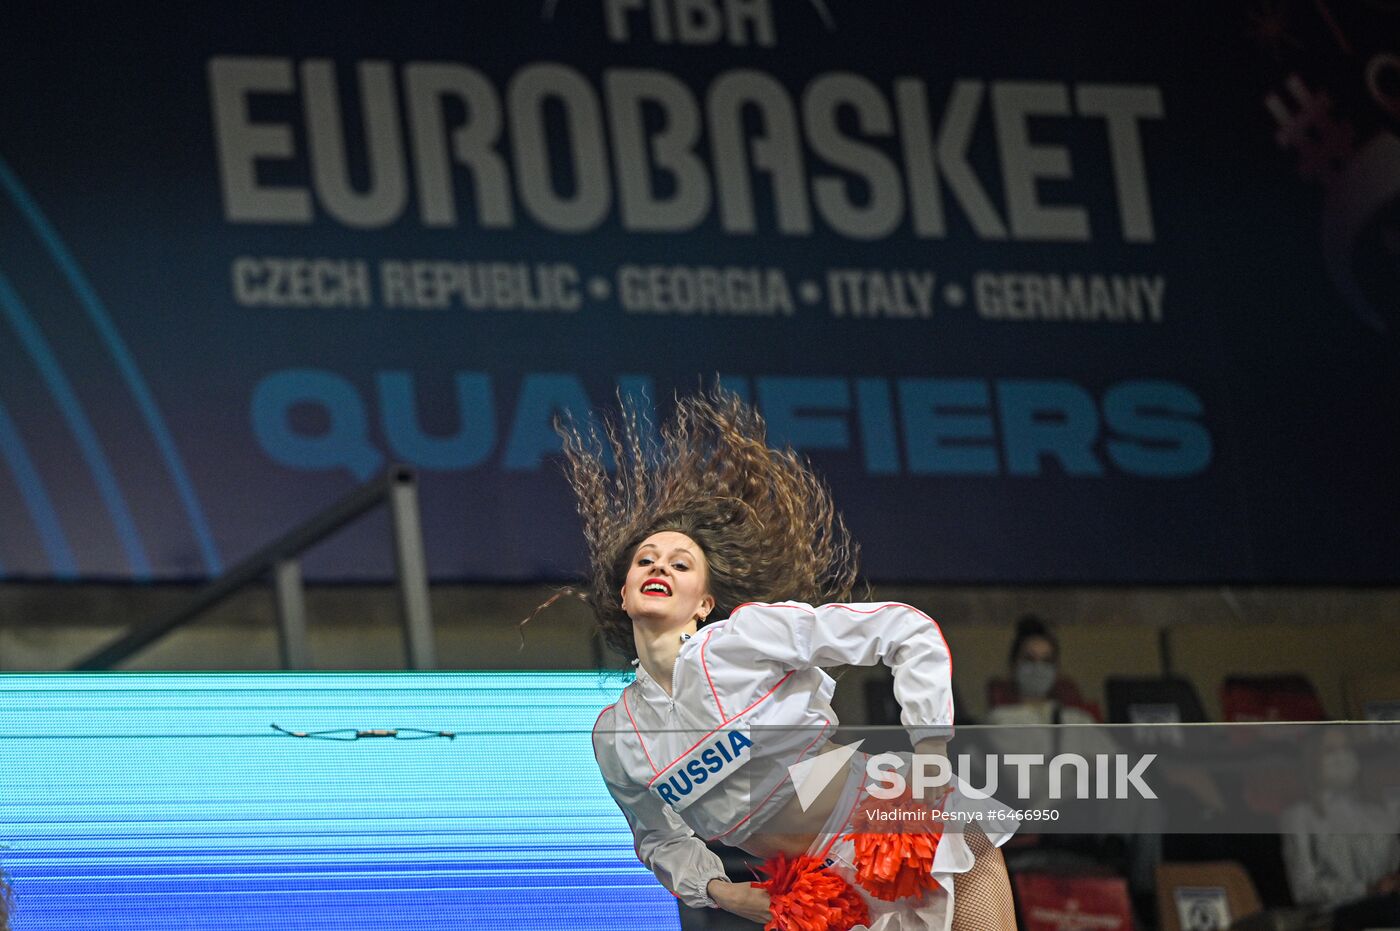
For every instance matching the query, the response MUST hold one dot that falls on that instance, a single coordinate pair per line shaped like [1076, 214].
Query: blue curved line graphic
[145, 402]
[36, 499]
[86, 437]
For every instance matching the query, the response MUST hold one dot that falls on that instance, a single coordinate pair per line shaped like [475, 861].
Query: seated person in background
[1036, 694]
[1035, 669]
[1339, 846]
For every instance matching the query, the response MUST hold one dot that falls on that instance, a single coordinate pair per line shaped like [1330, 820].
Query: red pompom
[894, 854]
[806, 896]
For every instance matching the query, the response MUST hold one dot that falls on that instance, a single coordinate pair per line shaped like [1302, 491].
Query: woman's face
[667, 582]
[1036, 650]
[1034, 668]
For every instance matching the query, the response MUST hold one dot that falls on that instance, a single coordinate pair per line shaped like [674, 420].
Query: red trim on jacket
[628, 708]
[787, 675]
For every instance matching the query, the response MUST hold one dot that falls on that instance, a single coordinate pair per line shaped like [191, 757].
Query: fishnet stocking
[982, 896]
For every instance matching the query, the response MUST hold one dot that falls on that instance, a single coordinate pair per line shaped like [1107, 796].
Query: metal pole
[291, 614]
[248, 571]
[412, 572]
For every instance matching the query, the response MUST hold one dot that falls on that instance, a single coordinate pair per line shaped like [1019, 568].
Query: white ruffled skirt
[934, 910]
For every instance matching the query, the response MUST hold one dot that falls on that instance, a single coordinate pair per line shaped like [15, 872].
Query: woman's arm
[905, 639]
[743, 899]
[668, 847]
[664, 843]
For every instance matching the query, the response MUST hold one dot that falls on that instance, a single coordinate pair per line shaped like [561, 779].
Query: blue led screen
[155, 801]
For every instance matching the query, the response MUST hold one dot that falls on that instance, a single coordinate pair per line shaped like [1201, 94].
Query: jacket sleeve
[908, 641]
[664, 843]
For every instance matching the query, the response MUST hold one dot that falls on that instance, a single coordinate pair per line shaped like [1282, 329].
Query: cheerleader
[708, 552]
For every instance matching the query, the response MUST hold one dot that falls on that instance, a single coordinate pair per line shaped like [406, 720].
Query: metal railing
[398, 487]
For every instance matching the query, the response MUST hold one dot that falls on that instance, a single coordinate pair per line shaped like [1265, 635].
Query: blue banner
[1048, 294]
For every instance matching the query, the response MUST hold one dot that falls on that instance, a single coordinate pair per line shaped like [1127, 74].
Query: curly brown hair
[765, 521]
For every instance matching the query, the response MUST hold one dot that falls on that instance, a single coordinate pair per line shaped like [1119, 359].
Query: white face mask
[1340, 769]
[1035, 678]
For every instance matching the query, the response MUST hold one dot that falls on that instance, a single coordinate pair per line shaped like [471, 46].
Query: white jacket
[748, 699]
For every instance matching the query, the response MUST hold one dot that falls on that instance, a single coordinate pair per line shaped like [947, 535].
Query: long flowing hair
[765, 521]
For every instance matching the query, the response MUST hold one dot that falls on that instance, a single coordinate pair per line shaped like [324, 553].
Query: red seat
[1270, 698]
[1289, 697]
[1051, 902]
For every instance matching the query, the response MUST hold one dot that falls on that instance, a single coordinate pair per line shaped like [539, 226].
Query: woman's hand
[933, 746]
[743, 899]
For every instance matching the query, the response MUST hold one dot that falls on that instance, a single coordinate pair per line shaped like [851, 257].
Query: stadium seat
[1053, 902]
[1329, 653]
[1204, 896]
[1288, 697]
[1158, 700]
